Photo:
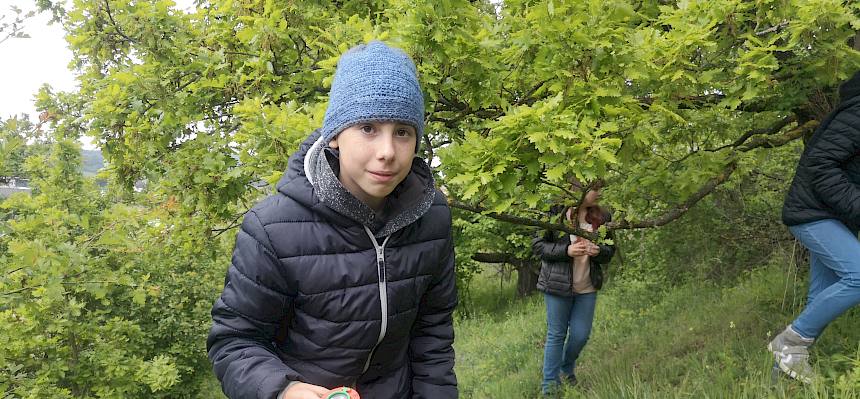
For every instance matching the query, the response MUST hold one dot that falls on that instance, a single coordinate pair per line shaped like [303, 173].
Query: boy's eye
[367, 129]
[403, 132]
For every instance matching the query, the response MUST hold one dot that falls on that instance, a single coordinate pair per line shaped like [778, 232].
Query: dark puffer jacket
[826, 184]
[325, 292]
[556, 271]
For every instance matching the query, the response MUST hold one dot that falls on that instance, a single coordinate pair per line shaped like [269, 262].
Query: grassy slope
[696, 341]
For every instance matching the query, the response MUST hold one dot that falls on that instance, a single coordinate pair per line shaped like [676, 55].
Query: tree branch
[115, 25]
[696, 102]
[507, 258]
[775, 128]
[521, 220]
[681, 209]
[664, 219]
[768, 131]
[774, 28]
[777, 141]
[497, 257]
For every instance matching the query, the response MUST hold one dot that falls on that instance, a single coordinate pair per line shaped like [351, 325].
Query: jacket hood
[851, 88]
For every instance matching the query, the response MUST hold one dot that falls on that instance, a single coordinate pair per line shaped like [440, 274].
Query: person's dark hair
[594, 215]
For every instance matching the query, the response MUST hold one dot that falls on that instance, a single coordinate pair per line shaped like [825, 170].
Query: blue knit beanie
[374, 82]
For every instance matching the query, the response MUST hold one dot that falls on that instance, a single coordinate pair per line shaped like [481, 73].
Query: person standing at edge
[570, 275]
[822, 210]
[345, 276]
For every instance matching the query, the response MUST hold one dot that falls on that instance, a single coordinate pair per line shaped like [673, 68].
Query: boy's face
[374, 158]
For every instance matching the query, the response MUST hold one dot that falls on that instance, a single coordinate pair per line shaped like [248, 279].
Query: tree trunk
[527, 269]
[527, 277]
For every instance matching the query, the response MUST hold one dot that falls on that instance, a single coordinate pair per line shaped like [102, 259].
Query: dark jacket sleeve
[430, 348]
[245, 319]
[838, 142]
[605, 255]
[551, 250]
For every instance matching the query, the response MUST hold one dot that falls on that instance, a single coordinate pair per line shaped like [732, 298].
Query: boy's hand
[305, 391]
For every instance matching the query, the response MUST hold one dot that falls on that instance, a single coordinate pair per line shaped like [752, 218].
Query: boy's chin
[382, 194]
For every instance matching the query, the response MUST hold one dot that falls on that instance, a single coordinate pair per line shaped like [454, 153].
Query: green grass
[212, 390]
[694, 341]
[697, 340]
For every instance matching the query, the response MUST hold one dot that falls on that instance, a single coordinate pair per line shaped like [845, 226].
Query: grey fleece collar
[406, 204]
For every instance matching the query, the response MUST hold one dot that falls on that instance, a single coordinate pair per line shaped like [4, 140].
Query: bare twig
[774, 28]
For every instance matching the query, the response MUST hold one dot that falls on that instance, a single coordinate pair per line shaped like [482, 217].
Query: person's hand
[593, 249]
[579, 248]
[582, 247]
[304, 391]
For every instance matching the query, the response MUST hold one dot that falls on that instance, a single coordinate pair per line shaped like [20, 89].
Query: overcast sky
[27, 64]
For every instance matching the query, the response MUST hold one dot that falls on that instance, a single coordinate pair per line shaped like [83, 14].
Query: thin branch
[507, 258]
[769, 131]
[220, 231]
[526, 98]
[428, 145]
[774, 28]
[778, 141]
[696, 102]
[115, 25]
[664, 219]
[233, 224]
[571, 194]
[681, 209]
[521, 220]
[739, 142]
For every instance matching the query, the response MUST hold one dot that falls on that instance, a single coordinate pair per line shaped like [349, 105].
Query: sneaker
[791, 354]
[569, 380]
[551, 392]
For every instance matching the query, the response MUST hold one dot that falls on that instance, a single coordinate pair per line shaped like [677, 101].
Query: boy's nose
[385, 145]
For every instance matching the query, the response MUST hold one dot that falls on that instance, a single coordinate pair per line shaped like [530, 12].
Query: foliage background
[694, 112]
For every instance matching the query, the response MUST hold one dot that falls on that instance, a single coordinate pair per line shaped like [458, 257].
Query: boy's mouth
[382, 176]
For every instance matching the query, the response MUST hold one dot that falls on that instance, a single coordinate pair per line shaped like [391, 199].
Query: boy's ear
[333, 143]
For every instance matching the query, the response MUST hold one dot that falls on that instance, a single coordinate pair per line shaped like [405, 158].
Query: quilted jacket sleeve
[838, 142]
[430, 348]
[550, 247]
[245, 319]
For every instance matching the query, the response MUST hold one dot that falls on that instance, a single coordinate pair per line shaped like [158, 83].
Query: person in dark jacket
[822, 210]
[570, 275]
[345, 277]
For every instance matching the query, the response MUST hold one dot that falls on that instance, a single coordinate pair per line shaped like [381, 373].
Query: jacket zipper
[383, 292]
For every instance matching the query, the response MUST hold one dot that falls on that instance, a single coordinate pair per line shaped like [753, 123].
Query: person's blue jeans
[568, 322]
[834, 274]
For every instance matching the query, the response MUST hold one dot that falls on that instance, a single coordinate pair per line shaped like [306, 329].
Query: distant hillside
[92, 161]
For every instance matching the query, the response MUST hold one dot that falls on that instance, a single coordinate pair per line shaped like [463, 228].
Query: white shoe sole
[782, 366]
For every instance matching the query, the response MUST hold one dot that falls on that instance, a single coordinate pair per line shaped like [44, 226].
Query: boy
[345, 277]
[822, 210]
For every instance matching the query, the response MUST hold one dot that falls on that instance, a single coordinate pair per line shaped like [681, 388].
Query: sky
[43, 58]
[28, 63]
